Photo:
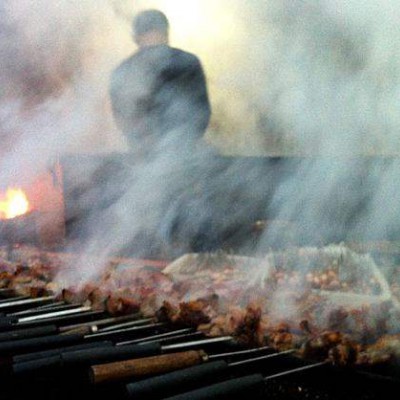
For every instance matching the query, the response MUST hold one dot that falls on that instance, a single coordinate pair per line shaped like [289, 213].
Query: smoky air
[316, 82]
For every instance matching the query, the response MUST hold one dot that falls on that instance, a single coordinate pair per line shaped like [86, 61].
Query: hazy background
[284, 76]
[309, 77]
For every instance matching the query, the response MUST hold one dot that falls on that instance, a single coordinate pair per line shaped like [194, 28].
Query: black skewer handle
[84, 358]
[28, 333]
[46, 342]
[38, 366]
[178, 381]
[7, 323]
[54, 352]
[110, 354]
[251, 386]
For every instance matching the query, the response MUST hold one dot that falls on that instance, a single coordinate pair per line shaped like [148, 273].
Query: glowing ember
[13, 203]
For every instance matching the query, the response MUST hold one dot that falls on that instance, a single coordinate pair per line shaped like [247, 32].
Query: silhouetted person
[159, 95]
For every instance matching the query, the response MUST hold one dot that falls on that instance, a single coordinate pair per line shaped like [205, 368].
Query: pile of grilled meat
[280, 307]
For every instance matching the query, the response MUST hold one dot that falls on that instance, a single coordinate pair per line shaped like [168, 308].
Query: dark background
[249, 200]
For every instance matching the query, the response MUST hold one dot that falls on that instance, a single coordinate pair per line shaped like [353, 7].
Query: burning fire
[13, 203]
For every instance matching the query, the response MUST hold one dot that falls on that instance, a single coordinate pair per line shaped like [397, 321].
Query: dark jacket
[160, 92]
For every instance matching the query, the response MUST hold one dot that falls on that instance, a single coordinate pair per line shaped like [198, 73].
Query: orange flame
[13, 204]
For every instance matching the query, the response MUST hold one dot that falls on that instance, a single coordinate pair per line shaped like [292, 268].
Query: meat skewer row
[249, 330]
[112, 372]
[106, 354]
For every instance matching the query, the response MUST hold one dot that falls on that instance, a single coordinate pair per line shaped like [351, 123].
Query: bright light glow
[13, 204]
[195, 23]
[186, 17]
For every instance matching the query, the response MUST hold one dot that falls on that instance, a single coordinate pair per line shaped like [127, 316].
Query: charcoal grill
[20, 229]
[53, 350]
[66, 356]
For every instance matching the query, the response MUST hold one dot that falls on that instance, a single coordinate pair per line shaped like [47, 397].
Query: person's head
[150, 27]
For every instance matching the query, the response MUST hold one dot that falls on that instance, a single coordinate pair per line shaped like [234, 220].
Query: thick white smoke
[55, 60]
[333, 87]
[285, 77]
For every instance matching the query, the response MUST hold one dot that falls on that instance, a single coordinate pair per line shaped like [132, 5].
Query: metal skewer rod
[64, 319]
[156, 338]
[238, 387]
[251, 360]
[198, 343]
[185, 336]
[240, 352]
[296, 370]
[101, 322]
[54, 314]
[55, 304]
[27, 301]
[13, 299]
[43, 310]
[126, 325]
[128, 330]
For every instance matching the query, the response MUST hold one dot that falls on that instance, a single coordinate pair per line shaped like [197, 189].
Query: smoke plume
[317, 79]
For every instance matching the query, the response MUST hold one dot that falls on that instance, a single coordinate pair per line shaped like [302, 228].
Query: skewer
[19, 346]
[13, 299]
[151, 348]
[102, 322]
[28, 333]
[60, 320]
[156, 338]
[10, 323]
[123, 332]
[249, 385]
[173, 339]
[65, 322]
[59, 306]
[113, 329]
[36, 355]
[124, 325]
[23, 338]
[198, 343]
[105, 354]
[296, 370]
[140, 368]
[18, 302]
[242, 352]
[13, 347]
[190, 378]
[54, 304]
[53, 314]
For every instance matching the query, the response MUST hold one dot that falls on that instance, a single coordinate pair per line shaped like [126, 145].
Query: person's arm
[201, 99]
[185, 96]
[198, 97]
[116, 103]
[129, 107]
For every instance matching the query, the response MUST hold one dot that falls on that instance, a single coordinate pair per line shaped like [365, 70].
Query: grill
[21, 229]
[52, 349]
[49, 350]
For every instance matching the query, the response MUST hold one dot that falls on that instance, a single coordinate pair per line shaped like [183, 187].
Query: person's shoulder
[182, 53]
[185, 57]
[125, 64]
[123, 69]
